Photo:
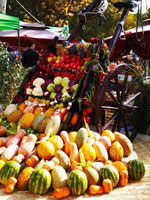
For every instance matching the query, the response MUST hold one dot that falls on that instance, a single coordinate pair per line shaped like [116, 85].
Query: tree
[3, 4]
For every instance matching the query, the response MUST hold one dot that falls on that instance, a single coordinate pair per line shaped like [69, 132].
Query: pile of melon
[66, 163]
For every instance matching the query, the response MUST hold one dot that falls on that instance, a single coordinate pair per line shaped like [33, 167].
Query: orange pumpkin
[61, 193]
[107, 185]
[95, 189]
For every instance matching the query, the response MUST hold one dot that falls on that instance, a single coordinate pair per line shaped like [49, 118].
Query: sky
[144, 3]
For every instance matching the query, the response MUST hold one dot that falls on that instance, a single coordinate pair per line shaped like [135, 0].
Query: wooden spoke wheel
[119, 101]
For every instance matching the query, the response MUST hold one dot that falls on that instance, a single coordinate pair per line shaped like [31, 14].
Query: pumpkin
[123, 178]
[14, 116]
[120, 166]
[22, 106]
[27, 120]
[10, 186]
[107, 185]
[116, 151]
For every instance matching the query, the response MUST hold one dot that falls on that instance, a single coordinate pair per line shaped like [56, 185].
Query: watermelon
[11, 168]
[77, 182]
[109, 172]
[136, 169]
[40, 181]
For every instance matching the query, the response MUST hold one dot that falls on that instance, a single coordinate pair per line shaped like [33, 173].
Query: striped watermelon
[136, 169]
[109, 172]
[77, 182]
[11, 168]
[40, 181]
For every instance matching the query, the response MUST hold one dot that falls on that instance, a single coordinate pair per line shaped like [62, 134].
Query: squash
[32, 161]
[63, 159]
[45, 150]
[27, 120]
[49, 112]
[125, 142]
[97, 165]
[37, 121]
[81, 137]
[89, 152]
[56, 141]
[9, 109]
[64, 135]
[74, 154]
[24, 177]
[95, 189]
[107, 185]
[42, 125]
[123, 178]
[106, 142]
[14, 116]
[10, 186]
[101, 152]
[59, 177]
[22, 106]
[109, 134]
[53, 126]
[120, 166]
[61, 193]
[116, 151]
[72, 136]
[92, 175]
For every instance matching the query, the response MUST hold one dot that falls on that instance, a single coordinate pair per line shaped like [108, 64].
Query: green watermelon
[109, 172]
[11, 168]
[136, 169]
[77, 182]
[40, 181]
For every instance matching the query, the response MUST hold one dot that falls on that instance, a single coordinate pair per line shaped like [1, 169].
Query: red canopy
[133, 41]
[40, 34]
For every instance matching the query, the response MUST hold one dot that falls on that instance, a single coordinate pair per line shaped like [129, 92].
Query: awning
[8, 22]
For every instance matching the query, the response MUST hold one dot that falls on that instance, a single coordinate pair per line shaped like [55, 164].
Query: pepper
[29, 131]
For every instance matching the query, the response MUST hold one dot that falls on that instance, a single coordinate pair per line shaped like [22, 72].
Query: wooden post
[3, 4]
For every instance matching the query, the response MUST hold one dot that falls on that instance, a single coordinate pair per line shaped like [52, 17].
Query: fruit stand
[46, 140]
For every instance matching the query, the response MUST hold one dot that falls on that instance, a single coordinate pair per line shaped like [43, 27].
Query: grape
[51, 87]
[65, 81]
[57, 80]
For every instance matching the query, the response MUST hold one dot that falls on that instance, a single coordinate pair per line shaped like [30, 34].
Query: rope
[28, 12]
[139, 22]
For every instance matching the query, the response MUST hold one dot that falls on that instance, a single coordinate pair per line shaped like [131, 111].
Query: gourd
[95, 189]
[77, 182]
[49, 112]
[109, 134]
[92, 175]
[53, 126]
[72, 136]
[37, 121]
[10, 152]
[24, 177]
[107, 185]
[123, 178]
[10, 186]
[97, 165]
[40, 181]
[109, 172]
[42, 125]
[56, 141]
[9, 109]
[22, 106]
[61, 193]
[116, 151]
[11, 168]
[136, 169]
[120, 166]
[27, 120]
[89, 152]
[17, 138]
[125, 142]
[59, 177]
[65, 137]
[32, 161]
[19, 158]
[28, 146]
[81, 137]
[74, 154]
[106, 141]
[63, 159]
[14, 116]
[101, 153]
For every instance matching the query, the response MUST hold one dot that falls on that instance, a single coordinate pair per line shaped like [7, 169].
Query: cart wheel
[121, 95]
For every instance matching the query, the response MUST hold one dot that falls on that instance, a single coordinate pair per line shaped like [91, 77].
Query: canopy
[8, 22]
[133, 40]
[38, 33]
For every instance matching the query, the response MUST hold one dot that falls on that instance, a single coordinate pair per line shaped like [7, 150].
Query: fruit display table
[136, 190]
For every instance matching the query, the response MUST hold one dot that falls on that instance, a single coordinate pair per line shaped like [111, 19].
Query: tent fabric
[8, 22]
[131, 42]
